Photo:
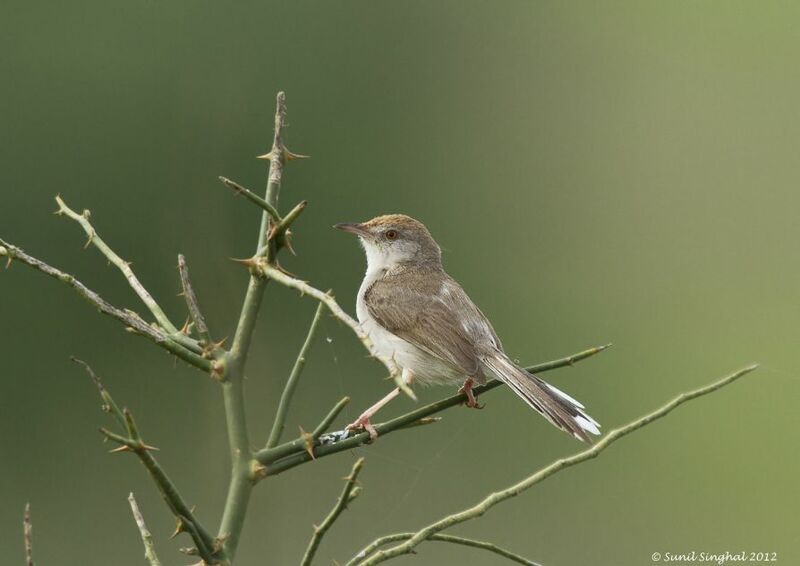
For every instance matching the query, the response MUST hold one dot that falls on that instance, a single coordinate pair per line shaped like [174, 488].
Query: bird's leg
[364, 420]
[472, 402]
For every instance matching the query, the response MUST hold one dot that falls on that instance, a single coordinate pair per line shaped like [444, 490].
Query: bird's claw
[362, 423]
[471, 401]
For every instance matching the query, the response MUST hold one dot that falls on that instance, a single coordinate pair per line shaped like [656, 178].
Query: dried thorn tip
[180, 527]
[308, 440]
[250, 262]
[289, 156]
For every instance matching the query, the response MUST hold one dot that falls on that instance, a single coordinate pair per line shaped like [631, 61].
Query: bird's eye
[391, 234]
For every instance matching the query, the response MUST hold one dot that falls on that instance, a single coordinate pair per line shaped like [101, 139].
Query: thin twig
[294, 453]
[329, 418]
[129, 318]
[292, 215]
[252, 197]
[291, 383]
[147, 539]
[134, 443]
[27, 527]
[109, 406]
[122, 265]
[341, 505]
[272, 272]
[514, 490]
[276, 274]
[374, 545]
[191, 302]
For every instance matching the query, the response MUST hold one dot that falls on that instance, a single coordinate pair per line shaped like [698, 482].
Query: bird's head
[395, 239]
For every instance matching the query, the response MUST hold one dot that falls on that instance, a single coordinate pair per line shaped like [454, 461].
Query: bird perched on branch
[420, 317]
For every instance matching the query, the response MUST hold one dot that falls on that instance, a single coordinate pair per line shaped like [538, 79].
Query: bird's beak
[353, 228]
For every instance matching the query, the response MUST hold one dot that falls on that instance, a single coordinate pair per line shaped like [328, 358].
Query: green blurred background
[595, 172]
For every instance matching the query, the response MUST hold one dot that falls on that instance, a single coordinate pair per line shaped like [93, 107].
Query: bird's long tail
[556, 406]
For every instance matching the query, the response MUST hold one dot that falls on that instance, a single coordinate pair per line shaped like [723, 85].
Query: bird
[418, 316]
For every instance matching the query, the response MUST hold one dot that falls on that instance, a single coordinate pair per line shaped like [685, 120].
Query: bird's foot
[362, 423]
[471, 402]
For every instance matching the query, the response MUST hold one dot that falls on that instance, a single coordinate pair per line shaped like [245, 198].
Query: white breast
[386, 343]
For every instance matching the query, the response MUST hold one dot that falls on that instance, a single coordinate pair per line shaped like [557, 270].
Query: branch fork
[132, 442]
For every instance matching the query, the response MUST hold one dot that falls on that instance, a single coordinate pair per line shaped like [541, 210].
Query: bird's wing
[434, 314]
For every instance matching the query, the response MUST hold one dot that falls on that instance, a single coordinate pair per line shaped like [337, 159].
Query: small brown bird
[421, 318]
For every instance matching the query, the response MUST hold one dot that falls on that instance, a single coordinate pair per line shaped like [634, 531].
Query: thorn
[250, 262]
[289, 156]
[148, 448]
[266, 156]
[397, 377]
[186, 329]
[287, 242]
[190, 551]
[88, 242]
[179, 528]
[308, 440]
[119, 449]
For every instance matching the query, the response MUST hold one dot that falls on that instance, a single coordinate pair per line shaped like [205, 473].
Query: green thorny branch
[349, 493]
[226, 366]
[192, 343]
[371, 556]
[131, 441]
